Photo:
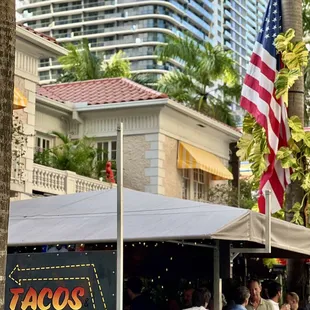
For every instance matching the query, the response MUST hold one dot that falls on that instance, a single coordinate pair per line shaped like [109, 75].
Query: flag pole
[120, 224]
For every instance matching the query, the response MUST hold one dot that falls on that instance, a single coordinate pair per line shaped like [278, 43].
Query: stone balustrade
[57, 182]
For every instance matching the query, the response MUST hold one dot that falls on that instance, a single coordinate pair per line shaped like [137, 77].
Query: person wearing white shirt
[275, 293]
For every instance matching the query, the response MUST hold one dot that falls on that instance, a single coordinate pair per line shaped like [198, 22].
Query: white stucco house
[169, 149]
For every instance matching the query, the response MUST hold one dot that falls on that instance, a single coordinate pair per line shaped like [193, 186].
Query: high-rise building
[138, 26]
[242, 21]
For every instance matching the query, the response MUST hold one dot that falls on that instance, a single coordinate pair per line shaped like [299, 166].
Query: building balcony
[57, 182]
[50, 181]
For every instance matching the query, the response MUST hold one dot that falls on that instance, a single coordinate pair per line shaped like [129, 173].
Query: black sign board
[57, 281]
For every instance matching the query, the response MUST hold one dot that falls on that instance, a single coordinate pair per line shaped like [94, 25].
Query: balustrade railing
[58, 182]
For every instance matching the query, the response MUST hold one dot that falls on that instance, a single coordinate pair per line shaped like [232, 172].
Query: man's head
[242, 296]
[293, 300]
[134, 287]
[265, 289]
[188, 294]
[274, 291]
[255, 289]
[201, 298]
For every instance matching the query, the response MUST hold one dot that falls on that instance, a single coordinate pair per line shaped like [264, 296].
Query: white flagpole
[120, 224]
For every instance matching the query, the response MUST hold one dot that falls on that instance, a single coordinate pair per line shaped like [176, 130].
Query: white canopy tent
[91, 217]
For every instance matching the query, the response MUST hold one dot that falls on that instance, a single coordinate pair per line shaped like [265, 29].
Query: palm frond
[149, 80]
[80, 63]
[117, 66]
[179, 86]
[183, 49]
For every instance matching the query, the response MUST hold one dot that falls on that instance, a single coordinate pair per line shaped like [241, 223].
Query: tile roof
[42, 35]
[101, 91]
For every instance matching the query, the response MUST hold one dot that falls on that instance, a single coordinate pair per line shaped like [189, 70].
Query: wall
[25, 80]
[46, 121]
[173, 179]
[184, 128]
[135, 162]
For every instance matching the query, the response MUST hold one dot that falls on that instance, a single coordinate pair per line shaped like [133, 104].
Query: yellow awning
[190, 157]
[20, 101]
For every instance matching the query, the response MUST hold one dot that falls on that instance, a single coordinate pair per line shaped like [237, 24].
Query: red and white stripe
[258, 98]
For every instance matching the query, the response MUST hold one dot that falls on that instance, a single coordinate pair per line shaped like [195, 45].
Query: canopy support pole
[217, 283]
[267, 248]
[120, 224]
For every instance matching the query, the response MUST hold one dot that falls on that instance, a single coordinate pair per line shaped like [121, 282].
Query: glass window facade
[139, 25]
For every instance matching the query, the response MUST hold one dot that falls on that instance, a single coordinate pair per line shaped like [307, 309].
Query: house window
[43, 143]
[107, 150]
[199, 184]
[185, 184]
[194, 184]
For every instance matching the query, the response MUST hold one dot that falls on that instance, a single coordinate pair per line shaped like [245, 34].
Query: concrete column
[70, 182]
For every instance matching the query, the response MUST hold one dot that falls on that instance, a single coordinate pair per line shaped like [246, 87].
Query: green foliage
[208, 76]
[253, 144]
[81, 64]
[149, 80]
[270, 262]
[117, 66]
[253, 147]
[306, 16]
[226, 194]
[295, 58]
[79, 156]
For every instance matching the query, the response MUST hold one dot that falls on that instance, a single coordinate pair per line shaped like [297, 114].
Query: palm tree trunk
[7, 66]
[292, 18]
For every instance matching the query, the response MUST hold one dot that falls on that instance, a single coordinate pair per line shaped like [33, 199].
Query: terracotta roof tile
[102, 91]
[42, 35]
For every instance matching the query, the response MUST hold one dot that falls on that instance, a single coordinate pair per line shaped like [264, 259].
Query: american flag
[258, 98]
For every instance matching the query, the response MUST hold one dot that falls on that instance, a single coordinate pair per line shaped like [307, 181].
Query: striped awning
[190, 157]
[20, 101]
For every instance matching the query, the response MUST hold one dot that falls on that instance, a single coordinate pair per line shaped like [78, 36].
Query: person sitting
[200, 299]
[241, 298]
[138, 301]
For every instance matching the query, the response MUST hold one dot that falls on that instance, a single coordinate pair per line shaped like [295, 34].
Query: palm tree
[7, 67]
[81, 64]
[292, 18]
[117, 66]
[208, 82]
